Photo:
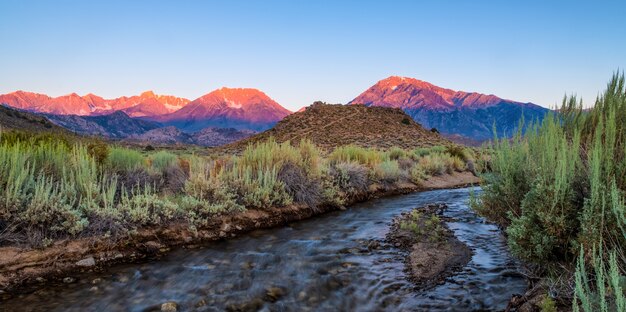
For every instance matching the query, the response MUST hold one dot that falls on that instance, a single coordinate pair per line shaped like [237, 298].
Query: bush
[360, 155]
[387, 172]
[433, 164]
[418, 175]
[350, 178]
[299, 186]
[161, 160]
[559, 192]
[99, 151]
[122, 160]
[396, 153]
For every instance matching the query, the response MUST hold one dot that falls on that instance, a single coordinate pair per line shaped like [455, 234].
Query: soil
[432, 255]
[25, 269]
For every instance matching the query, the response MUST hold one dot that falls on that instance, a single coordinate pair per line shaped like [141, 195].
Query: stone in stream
[69, 280]
[274, 293]
[170, 306]
[87, 262]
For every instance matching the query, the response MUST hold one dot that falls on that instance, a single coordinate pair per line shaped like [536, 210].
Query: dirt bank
[433, 252]
[23, 269]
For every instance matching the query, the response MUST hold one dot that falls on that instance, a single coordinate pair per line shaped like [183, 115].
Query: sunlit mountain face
[241, 108]
[469, 114]
[146, 104]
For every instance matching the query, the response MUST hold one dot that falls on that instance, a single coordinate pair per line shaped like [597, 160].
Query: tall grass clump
[364, 156]
[122, 159]
[559, 191]
[270, 174]
[162, 159]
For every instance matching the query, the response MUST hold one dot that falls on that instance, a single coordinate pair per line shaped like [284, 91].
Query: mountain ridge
[469, 114]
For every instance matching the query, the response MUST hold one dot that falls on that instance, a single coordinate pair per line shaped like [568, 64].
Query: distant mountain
[330, 126]
[206, 137]
[146, 104]
[114, 125]
[468, 114]
[239, 108]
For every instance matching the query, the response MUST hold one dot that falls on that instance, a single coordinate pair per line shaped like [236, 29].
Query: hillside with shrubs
[559, 192]
[332, 125]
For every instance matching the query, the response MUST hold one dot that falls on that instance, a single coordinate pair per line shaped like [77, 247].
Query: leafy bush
[350, 178]
[433, 164]
[559, 192]
[299, 186]
[418, 175]
[388, 171]
[396, 153]
[364, 156]
[122, 159]
[162, 159]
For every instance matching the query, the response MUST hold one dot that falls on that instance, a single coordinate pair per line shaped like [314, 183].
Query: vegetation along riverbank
[75, 205]
[559, 193]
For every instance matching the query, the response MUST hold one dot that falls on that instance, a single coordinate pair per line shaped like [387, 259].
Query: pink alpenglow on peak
[146, 104]
[241, 108]
[451, 112]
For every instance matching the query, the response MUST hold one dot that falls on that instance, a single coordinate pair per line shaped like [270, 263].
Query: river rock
[69, 280]
[87, 262]
[170, 306]
[153, 246]
[274, 293]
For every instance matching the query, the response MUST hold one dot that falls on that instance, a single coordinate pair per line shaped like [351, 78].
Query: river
[321, 264]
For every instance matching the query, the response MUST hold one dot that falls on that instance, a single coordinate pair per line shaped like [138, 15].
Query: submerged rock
[273, 294]
[69, 280]
[170, 306]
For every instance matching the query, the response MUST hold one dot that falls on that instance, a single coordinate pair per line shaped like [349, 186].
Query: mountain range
[463, 116]
[469, 114]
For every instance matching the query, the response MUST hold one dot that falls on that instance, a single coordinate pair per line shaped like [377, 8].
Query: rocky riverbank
[22, 269]
[433, 252]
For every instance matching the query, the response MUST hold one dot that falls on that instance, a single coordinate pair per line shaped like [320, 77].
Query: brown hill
[329, 126]
[13, 119]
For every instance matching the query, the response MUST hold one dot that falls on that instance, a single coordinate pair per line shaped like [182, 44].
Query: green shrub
[388, 171]
[123, 160]
[162, 159]
[418, 175]
[144, 207]
[433, 164]
[351, 153]
[396, 153]
[98, 151]
[350, 178]
[559, 191]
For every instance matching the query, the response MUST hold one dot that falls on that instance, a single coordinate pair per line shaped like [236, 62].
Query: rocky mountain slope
[329, 126]
[468, 114]
[239, 108]
[114, 125]
[206, 137]
[13, 119]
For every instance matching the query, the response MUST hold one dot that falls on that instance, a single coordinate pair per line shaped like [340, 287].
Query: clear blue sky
[301, 51]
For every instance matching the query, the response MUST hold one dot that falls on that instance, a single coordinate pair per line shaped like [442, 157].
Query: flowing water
[321, 264]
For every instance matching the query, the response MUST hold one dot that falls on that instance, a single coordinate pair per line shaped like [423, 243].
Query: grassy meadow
[559, 193]
[63, 187]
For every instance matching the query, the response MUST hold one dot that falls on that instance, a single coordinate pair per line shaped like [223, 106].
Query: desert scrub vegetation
[424, 225]
[559, 190]
[57, 187]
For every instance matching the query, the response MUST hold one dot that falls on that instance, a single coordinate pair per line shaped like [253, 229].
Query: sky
[298, 52]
